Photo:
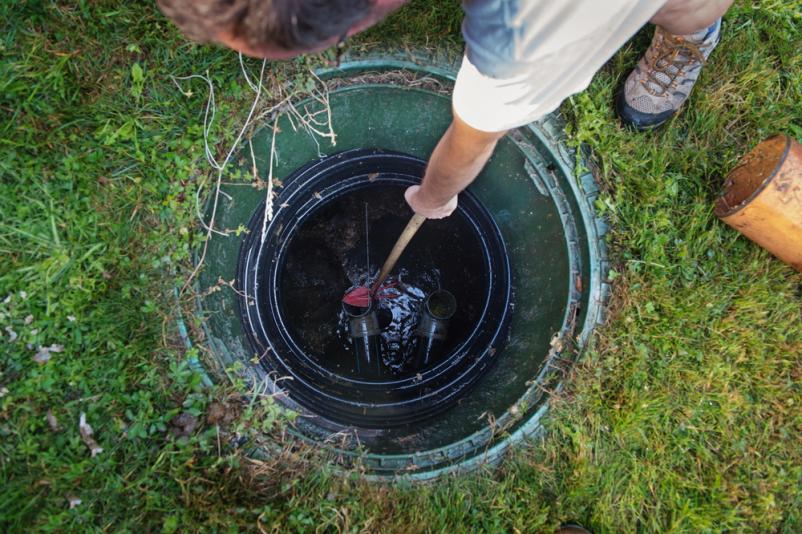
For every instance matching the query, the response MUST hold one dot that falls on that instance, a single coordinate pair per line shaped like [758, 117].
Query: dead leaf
[86, 436]
[52, 421]
[215, 413]
[44, 353]
[183, 425]
[372, 176]
[42, 356]
[220, 413]
[12, 336]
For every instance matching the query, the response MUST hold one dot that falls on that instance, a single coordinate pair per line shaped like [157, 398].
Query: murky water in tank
[344, 243]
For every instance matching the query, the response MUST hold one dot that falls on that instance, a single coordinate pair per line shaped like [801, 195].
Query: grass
[684, 417]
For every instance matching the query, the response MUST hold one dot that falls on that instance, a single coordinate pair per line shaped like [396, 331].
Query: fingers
[423, 206]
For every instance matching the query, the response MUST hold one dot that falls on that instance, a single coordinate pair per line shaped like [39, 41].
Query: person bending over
[522, 59]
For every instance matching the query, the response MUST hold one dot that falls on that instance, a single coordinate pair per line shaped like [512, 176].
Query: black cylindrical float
[363, 327]
[432, 331]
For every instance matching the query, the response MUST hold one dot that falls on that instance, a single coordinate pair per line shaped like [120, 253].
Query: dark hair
[290, 24]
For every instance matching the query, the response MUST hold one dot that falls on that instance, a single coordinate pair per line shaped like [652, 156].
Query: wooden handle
[406, 236]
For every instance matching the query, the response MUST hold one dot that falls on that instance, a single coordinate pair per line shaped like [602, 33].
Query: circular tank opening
[523, 257]
[439, 320]
[341, 246]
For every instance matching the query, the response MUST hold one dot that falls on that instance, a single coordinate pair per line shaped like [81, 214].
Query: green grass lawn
[685, 415]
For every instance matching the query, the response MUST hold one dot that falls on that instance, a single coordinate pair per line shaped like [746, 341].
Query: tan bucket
[762, 198]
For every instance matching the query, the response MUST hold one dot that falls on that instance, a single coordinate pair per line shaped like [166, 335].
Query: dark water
[333, 252]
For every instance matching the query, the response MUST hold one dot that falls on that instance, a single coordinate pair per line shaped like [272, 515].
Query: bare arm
[456, 161]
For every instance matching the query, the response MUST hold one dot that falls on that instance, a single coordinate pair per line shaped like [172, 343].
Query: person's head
[275, 28]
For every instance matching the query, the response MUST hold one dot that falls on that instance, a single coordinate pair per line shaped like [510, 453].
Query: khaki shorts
[570, 49]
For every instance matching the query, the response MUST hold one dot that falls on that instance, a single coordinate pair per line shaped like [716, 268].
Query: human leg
[665, 76]
[681, 17]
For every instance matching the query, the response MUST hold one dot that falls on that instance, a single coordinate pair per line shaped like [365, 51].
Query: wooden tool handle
[406, 236]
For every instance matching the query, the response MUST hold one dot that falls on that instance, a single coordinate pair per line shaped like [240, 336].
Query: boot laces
[672, 55]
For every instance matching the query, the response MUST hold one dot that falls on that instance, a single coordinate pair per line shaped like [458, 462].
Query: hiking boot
[664, 77]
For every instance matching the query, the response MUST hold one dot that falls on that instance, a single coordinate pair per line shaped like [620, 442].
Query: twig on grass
[220, 170]
[308, 120]
[268, 216]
